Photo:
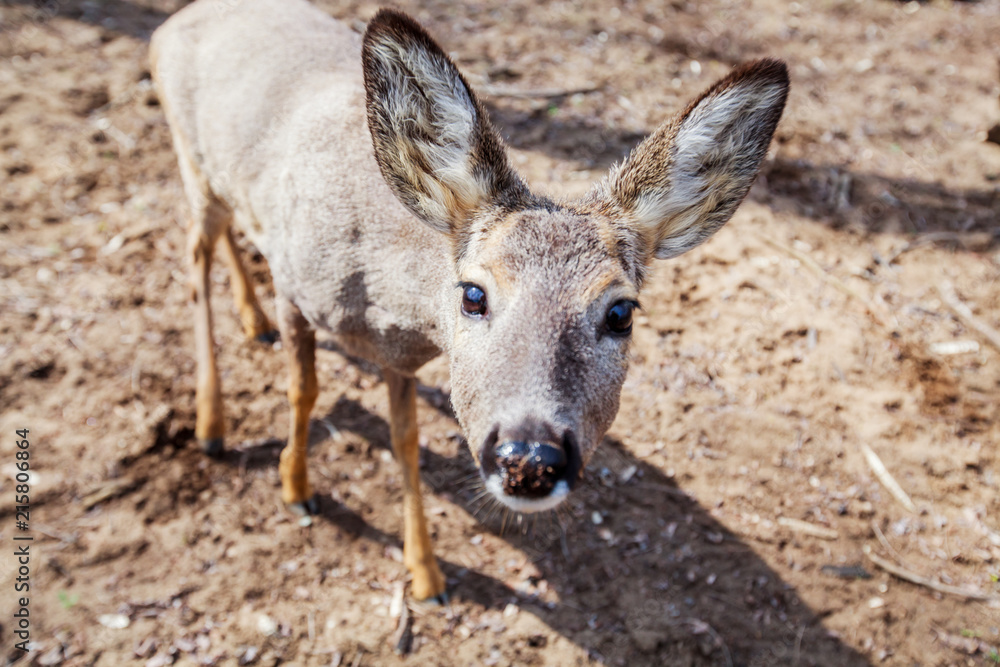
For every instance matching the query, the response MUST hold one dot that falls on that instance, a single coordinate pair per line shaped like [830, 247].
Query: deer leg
[209, 424]
[256, 325]
[300, 340]
[418, 552]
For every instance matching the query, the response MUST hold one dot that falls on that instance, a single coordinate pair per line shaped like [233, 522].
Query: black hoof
[269, 337]
[211, 446]
[440, 600]
[308, 508]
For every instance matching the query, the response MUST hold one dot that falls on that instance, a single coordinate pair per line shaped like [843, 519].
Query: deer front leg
[418, 552]
[300, 341]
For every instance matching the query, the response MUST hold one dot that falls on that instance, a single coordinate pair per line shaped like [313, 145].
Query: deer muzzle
[530, 471]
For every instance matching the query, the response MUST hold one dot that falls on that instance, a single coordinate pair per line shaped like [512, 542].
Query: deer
[368, 173]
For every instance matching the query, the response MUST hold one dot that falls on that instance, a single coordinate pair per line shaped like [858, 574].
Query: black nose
[530, 469]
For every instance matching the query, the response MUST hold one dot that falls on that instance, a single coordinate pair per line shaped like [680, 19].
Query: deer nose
[530, 469]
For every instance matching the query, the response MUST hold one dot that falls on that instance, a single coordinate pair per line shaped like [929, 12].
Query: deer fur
[370, 176]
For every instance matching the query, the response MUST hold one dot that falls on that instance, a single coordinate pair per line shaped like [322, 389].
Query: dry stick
[402, 640]
[831, 280]
[965, 315]
[885, 543]
[49, 531]
[913, 578]
[111, 489]
[888, 481]
[807, 528]
[965, 239]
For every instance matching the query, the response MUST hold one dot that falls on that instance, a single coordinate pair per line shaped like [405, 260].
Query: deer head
[539, 312]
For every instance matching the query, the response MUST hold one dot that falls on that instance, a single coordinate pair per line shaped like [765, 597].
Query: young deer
[369, 175]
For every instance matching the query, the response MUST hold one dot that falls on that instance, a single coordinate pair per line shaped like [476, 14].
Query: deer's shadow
[657, 581]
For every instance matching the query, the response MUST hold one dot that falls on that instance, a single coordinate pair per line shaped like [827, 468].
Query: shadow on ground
[703, 591]
[117, 17]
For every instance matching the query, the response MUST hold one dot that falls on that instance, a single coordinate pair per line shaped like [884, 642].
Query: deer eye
[619, 319]
[473, 301]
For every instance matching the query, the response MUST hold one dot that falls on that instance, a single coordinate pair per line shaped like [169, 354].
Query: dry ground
[765, 361]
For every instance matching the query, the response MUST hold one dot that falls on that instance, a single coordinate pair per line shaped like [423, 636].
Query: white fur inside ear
[712, 145]
[428, 93]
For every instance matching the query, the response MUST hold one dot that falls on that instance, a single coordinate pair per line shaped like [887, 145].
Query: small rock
[249, 656]
[185, 645]
[114, 621]
[875, 603]
[397, 602]
[146, 648]
[160, 660]
[266, 625]
[510, 610]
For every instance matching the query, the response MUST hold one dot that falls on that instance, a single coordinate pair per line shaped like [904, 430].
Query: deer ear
[433, 141]
[683, 182]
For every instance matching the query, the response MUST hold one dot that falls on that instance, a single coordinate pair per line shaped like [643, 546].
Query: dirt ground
[728, 516]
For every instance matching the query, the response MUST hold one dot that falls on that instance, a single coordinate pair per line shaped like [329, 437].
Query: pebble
[627, 474]
[266, 625]
[114, 621]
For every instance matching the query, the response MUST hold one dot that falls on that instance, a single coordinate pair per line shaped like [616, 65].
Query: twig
[885, 543]
[329, 427]
[402, 639]
[966, 240]
[888, 481]
[110, 489]
[913, 578]
[969, 645]
[71, 538]
[530, 94]
[965, 315]
[807, 528]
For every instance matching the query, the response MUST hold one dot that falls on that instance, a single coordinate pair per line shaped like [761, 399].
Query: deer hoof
[212, 446]
[309, 507]
[439, 600]
[268, 337]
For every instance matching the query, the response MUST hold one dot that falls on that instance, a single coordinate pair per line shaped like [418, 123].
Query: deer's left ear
[683, 182]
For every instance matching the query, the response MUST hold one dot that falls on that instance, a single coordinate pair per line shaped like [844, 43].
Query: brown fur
[370, 177]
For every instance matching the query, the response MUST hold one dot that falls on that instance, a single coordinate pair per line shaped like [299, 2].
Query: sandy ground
[765, 363]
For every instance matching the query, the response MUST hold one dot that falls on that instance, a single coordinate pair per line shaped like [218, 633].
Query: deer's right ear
[433, 142]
